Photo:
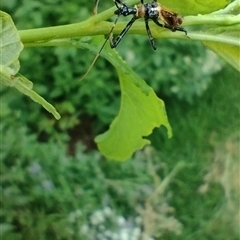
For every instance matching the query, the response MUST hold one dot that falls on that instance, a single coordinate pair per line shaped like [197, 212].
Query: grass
[201, 134]
[43, 186]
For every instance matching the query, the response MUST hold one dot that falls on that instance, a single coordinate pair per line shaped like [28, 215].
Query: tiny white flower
[107, 211]
[136, 232]
[97, 218]
[71, 217]
[124, 235]
[138, 220]
[108, 234]
[84, 229]
[101, 227]
[121, 220]
[114, 236]
[78, 213]
[47, 185]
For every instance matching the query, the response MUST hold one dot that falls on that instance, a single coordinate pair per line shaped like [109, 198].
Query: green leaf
[194, 7]
[140, 112]
[24, 86]
[229, 52]
[10, 44]
[189, 7]
[223, 38]
[10, 49]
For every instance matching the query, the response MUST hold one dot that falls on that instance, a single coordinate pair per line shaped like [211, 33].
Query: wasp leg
[152, 42]
[122, 34]
[100, 50]
[118, 2]
[180, 29]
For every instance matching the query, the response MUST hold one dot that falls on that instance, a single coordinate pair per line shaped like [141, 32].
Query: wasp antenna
[94, 60]
[99, 52]
[89, 69]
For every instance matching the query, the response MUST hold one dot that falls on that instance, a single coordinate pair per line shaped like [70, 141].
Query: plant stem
[91, 27]
[210, 19]
[70, 30]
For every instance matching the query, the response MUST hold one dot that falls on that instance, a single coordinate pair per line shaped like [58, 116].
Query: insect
[149, 11]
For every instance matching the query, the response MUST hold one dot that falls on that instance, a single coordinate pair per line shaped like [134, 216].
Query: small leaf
[24, 86]
[11, 45]
[10, 49]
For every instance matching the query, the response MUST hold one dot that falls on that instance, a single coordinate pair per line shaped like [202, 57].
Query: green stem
[70, 30]
[214, 38]
[95, 25]
[139, 28]
[210, 19]
[91, 27]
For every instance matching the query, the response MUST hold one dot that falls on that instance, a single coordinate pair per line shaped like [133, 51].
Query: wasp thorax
[179, 21]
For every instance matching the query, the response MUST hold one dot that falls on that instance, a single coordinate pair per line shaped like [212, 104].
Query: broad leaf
[189, 7]
[140, 112]
[194, 7]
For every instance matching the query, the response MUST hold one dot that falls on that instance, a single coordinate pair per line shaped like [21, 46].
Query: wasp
[148, 11]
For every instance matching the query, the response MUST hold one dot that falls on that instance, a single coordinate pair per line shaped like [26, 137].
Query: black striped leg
[122, 34]
[180, 29]
[118, 2]
[152, 42]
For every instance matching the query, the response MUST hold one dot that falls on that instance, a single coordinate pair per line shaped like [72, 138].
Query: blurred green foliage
[177, 68]
[47, 193]
[46, 176]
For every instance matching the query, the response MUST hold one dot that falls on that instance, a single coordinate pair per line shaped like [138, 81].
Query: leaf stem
[210, 19]
[83, 28]
[39, 37]
[214, 38]
[96, 25]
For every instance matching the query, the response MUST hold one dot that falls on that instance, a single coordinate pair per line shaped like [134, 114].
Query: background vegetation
[56, 185]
